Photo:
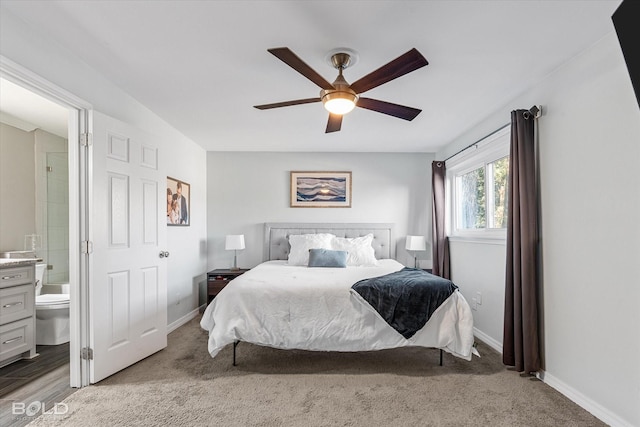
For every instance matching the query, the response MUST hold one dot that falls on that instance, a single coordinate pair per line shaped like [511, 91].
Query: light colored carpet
[183, 386]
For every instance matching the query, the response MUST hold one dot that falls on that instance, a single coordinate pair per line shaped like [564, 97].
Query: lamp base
[235, 261]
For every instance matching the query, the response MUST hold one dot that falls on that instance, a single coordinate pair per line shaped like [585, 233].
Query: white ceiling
[202, 65]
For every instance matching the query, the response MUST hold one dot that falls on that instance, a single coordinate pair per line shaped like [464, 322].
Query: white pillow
[360, 250]
[301, 243]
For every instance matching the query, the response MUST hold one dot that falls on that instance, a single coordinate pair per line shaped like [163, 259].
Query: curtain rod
[535, 112]
[475, 143]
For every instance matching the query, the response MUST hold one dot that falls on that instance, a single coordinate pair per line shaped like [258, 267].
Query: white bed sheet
[292, 307]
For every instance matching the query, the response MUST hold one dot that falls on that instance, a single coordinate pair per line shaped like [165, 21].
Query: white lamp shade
[234, 242]
[416, 243]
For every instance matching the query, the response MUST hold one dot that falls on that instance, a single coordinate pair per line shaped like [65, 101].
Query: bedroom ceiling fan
[340, 97]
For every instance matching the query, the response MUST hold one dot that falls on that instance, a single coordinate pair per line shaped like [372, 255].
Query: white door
[128, 290]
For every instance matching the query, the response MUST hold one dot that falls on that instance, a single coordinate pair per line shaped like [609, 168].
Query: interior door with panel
[128, 290]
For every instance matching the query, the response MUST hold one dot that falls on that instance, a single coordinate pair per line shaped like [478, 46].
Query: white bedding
[293, 307]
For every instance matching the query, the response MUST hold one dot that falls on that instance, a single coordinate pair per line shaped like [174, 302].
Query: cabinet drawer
[16, 302]
[16, 338]
[16, 276]
[215, 286]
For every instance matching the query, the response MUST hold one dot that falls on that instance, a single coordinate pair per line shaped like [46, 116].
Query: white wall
[187, 264]
[245, 190]
[589, 141]
[185, 160]
[17, 187]
[480, 268]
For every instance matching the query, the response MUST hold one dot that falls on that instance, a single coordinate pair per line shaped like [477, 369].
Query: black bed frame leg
[235, 344]
[440, 357]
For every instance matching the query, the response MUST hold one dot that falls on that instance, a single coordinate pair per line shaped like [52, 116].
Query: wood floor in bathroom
[43, 379]
[22, 372]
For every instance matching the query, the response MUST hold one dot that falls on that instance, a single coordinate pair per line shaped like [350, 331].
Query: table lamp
[416, 244]
[234, 242]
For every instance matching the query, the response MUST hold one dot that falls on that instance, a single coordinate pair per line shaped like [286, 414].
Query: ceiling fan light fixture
[339, 102]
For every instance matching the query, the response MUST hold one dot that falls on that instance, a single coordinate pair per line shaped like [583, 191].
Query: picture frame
[178, 203]
[316, 189]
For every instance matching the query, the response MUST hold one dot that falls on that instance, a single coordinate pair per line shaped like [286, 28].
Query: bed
[285, 304]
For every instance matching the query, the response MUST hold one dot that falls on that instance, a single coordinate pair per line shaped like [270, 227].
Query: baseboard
[183, 320]
[491, 342]
[580, 399]
[597, 410]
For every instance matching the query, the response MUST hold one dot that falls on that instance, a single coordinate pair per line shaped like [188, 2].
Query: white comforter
[283, 306]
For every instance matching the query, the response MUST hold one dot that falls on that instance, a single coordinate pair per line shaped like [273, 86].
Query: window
[470, 191]
[477, 193]
[498, 174]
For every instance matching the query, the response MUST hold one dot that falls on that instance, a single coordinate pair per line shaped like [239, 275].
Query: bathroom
[34, 213]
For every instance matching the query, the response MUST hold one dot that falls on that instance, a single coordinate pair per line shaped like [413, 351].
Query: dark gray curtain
[521, 347]
[440, 243]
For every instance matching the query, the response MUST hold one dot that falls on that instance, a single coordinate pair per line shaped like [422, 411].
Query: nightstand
[217, 279]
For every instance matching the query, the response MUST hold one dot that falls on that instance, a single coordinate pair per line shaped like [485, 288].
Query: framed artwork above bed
[312, 189]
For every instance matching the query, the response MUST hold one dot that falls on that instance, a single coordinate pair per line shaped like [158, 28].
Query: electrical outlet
[479, 298]
[474, 304]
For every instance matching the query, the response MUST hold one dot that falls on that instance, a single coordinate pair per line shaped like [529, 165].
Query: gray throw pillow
[327, 258]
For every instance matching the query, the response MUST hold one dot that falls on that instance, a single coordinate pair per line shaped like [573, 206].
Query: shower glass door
[57, 243]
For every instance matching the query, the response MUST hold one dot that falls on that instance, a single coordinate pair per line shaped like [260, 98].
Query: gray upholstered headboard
[276, 236]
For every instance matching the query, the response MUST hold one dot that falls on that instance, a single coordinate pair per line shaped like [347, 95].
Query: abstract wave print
[321, 189]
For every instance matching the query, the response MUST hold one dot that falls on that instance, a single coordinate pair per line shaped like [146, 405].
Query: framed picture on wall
[320, 189]
[178, 207]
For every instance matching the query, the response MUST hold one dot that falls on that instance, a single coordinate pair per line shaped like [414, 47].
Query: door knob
[164, 254]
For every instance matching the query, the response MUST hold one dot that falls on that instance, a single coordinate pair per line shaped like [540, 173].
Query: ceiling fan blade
[292, 60]
[400, 66]
[287, 103]
[334, 124]
[400, 111]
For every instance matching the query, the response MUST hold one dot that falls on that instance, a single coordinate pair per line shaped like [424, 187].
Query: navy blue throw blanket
[405, 299]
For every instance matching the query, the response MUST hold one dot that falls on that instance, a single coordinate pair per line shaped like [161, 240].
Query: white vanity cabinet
[17, 313]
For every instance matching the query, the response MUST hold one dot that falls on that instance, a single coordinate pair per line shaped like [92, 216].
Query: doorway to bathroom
[41, 151]
[34, 176]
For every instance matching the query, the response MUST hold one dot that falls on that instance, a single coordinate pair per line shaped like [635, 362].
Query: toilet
[52, 313]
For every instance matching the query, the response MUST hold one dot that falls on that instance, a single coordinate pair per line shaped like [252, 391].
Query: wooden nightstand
[218, 279]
